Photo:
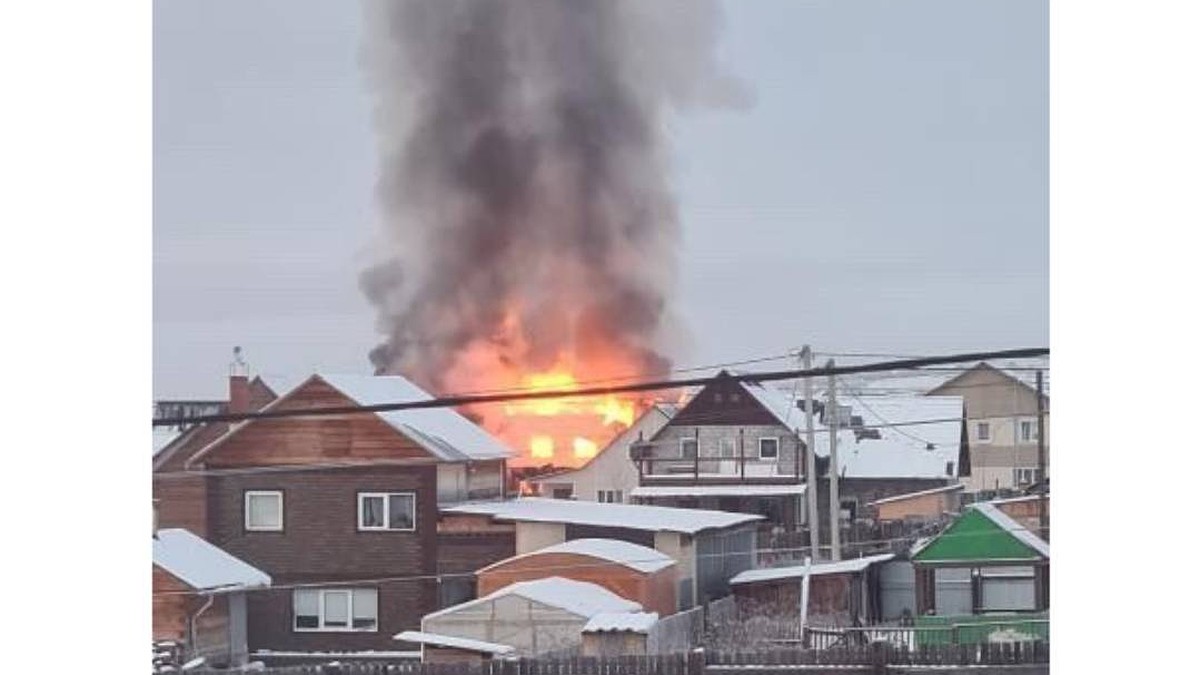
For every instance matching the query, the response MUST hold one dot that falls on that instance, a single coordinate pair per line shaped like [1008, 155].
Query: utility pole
[810, 459]
[835, 504]
[1043, 483]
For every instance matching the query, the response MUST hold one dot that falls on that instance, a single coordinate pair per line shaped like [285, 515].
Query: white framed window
[1028, 430]
[610, 496]
[335, 609]
[395, 511]
[687, 448]
[768, 448]
[983, 432]
[264, 510]
[1024, 476]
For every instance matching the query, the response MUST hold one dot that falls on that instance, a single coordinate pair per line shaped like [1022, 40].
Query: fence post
[695, 661]
[879, 657]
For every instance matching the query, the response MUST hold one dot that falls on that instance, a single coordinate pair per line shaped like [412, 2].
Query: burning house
[529, 230]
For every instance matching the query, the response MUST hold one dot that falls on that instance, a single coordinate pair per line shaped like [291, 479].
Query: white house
[611, 475]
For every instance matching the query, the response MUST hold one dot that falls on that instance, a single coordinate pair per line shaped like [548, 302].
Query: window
[264, 510]
[1024, 476]
[387, 511]
[687, 448]
[768, 448]
[718, 398]
[1028, 430]
[610, 496]
[983, 431]
[335, 609]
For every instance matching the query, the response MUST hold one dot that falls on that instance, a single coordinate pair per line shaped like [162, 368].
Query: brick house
[342, 511]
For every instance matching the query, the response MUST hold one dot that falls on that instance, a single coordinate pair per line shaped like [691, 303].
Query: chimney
[239, 384]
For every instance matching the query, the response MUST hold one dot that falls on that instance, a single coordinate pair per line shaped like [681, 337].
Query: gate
[897, 590]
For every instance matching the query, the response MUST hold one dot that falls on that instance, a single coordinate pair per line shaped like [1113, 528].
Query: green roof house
[984, 562]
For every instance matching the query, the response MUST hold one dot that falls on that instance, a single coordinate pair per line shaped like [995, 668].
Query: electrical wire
[457, 400]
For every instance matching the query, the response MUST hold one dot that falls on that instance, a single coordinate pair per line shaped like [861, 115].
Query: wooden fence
[875, 659]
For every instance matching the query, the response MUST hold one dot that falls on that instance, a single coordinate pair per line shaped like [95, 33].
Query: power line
[284, 468]
[458, 400]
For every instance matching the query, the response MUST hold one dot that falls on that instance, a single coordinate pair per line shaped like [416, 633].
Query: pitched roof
[982, 533]
[635, 622]
[633, 556]
[443, 432]
[849, 566]
[1005, 522]
[202, 565]
[641, 517]
[577, 597]
[438, 640]
[902, 449]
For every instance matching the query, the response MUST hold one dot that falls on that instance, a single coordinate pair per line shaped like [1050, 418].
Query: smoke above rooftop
[528, 219]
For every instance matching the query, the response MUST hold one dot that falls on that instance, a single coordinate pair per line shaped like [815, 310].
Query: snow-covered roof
[162, 437]
[438, 640]
[1014, 528]
[777, 402]
[635, 622]
[201, 565]
[577, 597]
[640, 517]
[920, 493]
[797, 571]
[716, 490]
[904, 451]
[634, 556]
[442, 431]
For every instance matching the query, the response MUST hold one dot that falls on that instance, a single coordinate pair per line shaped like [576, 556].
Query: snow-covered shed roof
[641, 517]
[634, 622]
[438, 640]
[1004, 521]
[577, 597]
[797, 571]
[920, 493]
[717, 490]
[633, 556]
[443, 432]
[202, 565]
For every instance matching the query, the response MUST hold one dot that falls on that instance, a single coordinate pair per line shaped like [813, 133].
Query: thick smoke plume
[529, 219]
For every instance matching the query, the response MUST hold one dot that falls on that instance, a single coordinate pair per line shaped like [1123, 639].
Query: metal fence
[878, 658]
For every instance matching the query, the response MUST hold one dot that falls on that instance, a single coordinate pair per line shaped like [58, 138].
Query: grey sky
[888, 191]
